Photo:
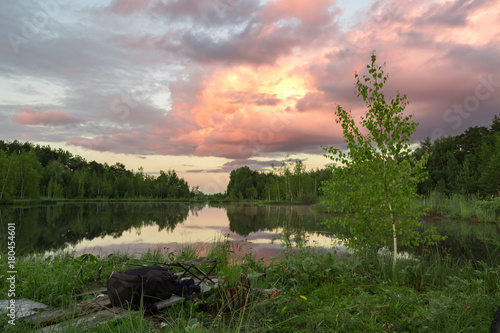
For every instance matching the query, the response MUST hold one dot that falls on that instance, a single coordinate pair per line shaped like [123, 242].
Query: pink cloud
[272, 30]
[132, 142]
[312, 13]
[272, 87]
[249, 97]
[30, 116]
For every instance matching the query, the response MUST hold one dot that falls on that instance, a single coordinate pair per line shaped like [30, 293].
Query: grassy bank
[473, 208]
[52, 201]
[459, 206]
[264, 202]
[319, 293]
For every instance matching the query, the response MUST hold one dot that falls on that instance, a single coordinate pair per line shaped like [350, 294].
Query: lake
[101, 228]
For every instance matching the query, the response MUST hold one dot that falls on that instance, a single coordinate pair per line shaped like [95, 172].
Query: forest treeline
[468, 163]
[288, 182]
[29, 171]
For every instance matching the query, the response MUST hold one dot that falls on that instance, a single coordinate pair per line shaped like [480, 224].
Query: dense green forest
[30, 171]
[289, 182]
[468, 163]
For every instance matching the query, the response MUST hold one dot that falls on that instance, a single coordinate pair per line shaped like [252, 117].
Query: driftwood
[53, 316]
[88, 321]
[91, 293]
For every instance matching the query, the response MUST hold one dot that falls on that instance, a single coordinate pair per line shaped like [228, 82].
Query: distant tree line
[468, 163]
[288, 182]
[34, 171]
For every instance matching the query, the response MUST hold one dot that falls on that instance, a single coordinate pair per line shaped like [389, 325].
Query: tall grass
[55, 279]
[460, 206]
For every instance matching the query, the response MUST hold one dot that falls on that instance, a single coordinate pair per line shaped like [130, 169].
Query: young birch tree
[375, 181]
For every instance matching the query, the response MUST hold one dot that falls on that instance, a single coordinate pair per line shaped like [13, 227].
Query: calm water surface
[101, 228]
[135, 227]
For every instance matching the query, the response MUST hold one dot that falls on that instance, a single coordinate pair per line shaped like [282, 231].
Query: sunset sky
[207, 86]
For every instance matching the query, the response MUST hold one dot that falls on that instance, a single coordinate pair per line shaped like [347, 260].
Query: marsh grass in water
[433, 292]
[460, 206]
